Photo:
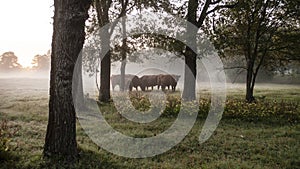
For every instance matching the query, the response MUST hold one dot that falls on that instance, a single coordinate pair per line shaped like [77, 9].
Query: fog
[37, 83]
[149, 62]
[25, 75]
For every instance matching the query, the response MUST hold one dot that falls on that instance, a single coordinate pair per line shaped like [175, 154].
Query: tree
[67, 41]
[107, 11]
[125, 48]
[9, 62]
[41, 62]
[197, 18]
[102, 8]
[255, 30]
[123, 54]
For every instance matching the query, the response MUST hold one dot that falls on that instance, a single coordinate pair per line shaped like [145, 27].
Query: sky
[26, 28]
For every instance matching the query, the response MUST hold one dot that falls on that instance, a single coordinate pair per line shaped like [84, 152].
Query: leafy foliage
[263, 110]
[274, 111]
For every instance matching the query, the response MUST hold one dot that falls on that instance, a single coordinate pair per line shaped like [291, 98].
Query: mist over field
[154, 62]
[25, 75]
[39, 85]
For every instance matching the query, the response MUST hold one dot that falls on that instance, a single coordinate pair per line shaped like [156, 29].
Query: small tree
[196, 13]
[253, 29]
[107, 12]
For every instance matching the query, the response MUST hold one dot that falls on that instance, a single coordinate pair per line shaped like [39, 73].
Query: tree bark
[123, 66]
[189, 90]
[78, 85]
[123, 55]
[104, 95]
[102, 8]
[250, 82]
[67, 41]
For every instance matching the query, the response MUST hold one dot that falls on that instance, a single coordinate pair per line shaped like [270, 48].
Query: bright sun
[25, 62]
[28, 34]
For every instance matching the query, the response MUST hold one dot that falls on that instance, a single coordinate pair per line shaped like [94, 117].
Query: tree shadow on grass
[8, 159]
[86, 159]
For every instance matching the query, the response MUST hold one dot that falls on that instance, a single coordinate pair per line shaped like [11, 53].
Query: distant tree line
[9, 63]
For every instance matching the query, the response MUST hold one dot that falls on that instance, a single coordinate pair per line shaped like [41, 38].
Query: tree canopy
[9, 62]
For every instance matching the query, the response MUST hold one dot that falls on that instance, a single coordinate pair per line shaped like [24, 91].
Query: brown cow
[148, 81]
[134, 82]
[167, 81]
[130, 81]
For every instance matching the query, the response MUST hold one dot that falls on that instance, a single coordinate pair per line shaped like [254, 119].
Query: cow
[148, 81]
[167, 81]
[130, 81]
[134, 82]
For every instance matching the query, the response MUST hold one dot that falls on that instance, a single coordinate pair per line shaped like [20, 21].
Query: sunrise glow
[26, 28]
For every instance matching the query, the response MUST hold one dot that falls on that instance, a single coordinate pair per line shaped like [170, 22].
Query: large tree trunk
[67, 41]
[78, 85]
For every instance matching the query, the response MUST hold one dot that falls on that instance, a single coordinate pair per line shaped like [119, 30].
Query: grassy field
[262, 135]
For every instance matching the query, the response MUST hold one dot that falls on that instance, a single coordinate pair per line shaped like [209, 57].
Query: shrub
[6, 133]
[265, 111]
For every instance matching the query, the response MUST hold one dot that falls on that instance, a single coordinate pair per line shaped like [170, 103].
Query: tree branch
[215, 2]
[237, 75]
[235, 67]
[221, 7]
[203, 13]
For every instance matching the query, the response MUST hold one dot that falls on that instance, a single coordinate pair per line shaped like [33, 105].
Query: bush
[266, 111]
[6, 133]
[263, 111]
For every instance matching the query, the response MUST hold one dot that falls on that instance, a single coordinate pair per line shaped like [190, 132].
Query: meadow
[259, 135]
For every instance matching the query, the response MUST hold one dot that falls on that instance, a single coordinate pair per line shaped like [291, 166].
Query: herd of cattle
[145, 82]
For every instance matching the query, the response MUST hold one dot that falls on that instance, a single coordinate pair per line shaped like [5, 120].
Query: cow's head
[176, 77]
